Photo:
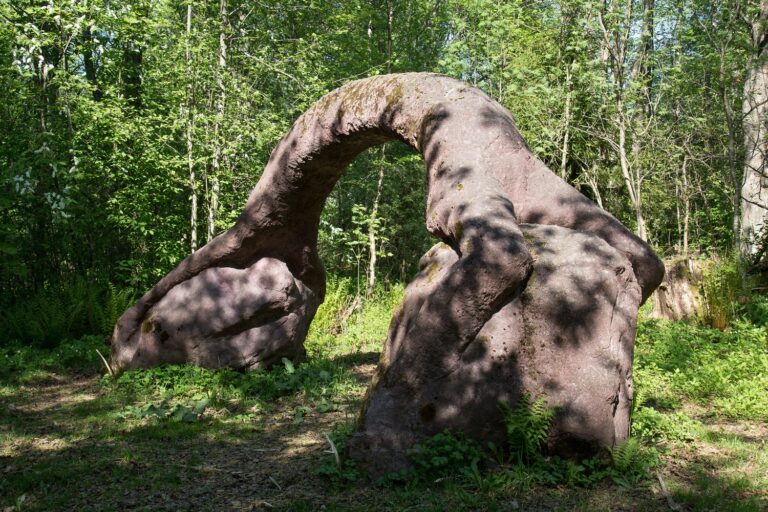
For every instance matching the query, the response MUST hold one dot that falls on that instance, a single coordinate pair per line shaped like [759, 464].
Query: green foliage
[347, 323]
[756, 310]
[75, 308]
[720, 286]
[22, 363]
[670, 423]
[338, 469]
[446, 454]
[727, 370]
[329, 319]
[632, 462]
[450, 455]
[527, 424]
[164, 411]
[654, 426]
[317, 379]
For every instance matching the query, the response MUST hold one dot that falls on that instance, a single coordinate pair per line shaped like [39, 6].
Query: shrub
[721, 285]
[70, 310]
[443, 455]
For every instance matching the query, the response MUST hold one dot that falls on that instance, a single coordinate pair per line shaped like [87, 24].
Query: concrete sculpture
[246, 299]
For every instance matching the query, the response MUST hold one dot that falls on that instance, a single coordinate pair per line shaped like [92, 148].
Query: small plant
[339, 470]
[444, 455]
[721, 284]
[164, 411]
[632, 462]
[527, 425]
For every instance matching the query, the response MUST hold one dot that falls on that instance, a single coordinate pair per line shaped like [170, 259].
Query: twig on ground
[333, 450]
[106, 363]
[672, 503]
[275, 482]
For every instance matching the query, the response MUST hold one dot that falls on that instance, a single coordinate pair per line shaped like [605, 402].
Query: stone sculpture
[246, 299]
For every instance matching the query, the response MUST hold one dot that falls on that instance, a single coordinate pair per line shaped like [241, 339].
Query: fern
[527, 425]
[75, 307]
[632, 462]
[627, 455]
[116, 301]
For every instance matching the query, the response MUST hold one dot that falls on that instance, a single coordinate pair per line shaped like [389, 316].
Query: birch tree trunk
[190, 126]
[686, 200]
[372, 221]
[615, 46]
[213, 199]
[567, 127]
[754, 190]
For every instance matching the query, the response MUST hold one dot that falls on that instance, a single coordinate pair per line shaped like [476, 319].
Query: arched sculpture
[486, 302]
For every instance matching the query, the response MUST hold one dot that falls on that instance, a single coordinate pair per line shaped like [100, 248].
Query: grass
[181, 437]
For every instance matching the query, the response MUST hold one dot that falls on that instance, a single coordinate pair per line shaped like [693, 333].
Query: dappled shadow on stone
[567, 335]
[245, 300]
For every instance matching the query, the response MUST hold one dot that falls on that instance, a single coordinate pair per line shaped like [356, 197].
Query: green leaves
[446, 454]
[164, 411]
[527, 424]
[677, 361]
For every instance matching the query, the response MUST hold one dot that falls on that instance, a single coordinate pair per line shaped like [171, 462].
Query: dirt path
[64, 446]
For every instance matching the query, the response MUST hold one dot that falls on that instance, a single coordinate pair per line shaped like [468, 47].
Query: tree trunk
[190, 125]
[371, 274]
[731, 123]
[615, 45]
[642, 75]
[630, 178]
[686, 196]
[592, 182]
[213, 200]
[754, 190]
[371, 281]
[567, 127]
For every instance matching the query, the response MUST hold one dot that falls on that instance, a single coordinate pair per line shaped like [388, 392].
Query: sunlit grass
[699, 402]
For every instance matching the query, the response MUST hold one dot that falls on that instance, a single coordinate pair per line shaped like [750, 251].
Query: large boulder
[567, 336]
[224, 317]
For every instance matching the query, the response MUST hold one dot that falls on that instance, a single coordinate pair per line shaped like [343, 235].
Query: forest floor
[181, 438]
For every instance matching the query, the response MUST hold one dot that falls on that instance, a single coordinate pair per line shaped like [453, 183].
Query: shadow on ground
[64, 446]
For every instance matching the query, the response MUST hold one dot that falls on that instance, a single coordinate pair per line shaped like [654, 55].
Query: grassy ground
[182, 438]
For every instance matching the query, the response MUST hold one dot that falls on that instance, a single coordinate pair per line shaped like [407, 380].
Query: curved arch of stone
[246, 299]
[530, 294]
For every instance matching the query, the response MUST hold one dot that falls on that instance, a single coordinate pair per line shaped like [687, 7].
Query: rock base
[567, 335]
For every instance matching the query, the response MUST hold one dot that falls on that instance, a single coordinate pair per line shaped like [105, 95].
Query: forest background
[132, 131]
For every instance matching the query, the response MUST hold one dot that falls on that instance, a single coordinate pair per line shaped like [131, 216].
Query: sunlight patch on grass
[59, 422]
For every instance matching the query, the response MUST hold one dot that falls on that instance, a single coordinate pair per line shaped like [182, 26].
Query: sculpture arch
[246, 299]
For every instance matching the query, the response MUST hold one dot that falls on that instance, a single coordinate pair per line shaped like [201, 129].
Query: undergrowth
[23, 363]
[77, 307]
[522, 463]
[321, 382]
[727, 370]
[686, 376]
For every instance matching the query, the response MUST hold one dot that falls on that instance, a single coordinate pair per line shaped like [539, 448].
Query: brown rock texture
[245, 299]
[678, 297]
[568, 335]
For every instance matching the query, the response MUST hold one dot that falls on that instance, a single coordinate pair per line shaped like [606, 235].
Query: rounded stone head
[243, 318]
